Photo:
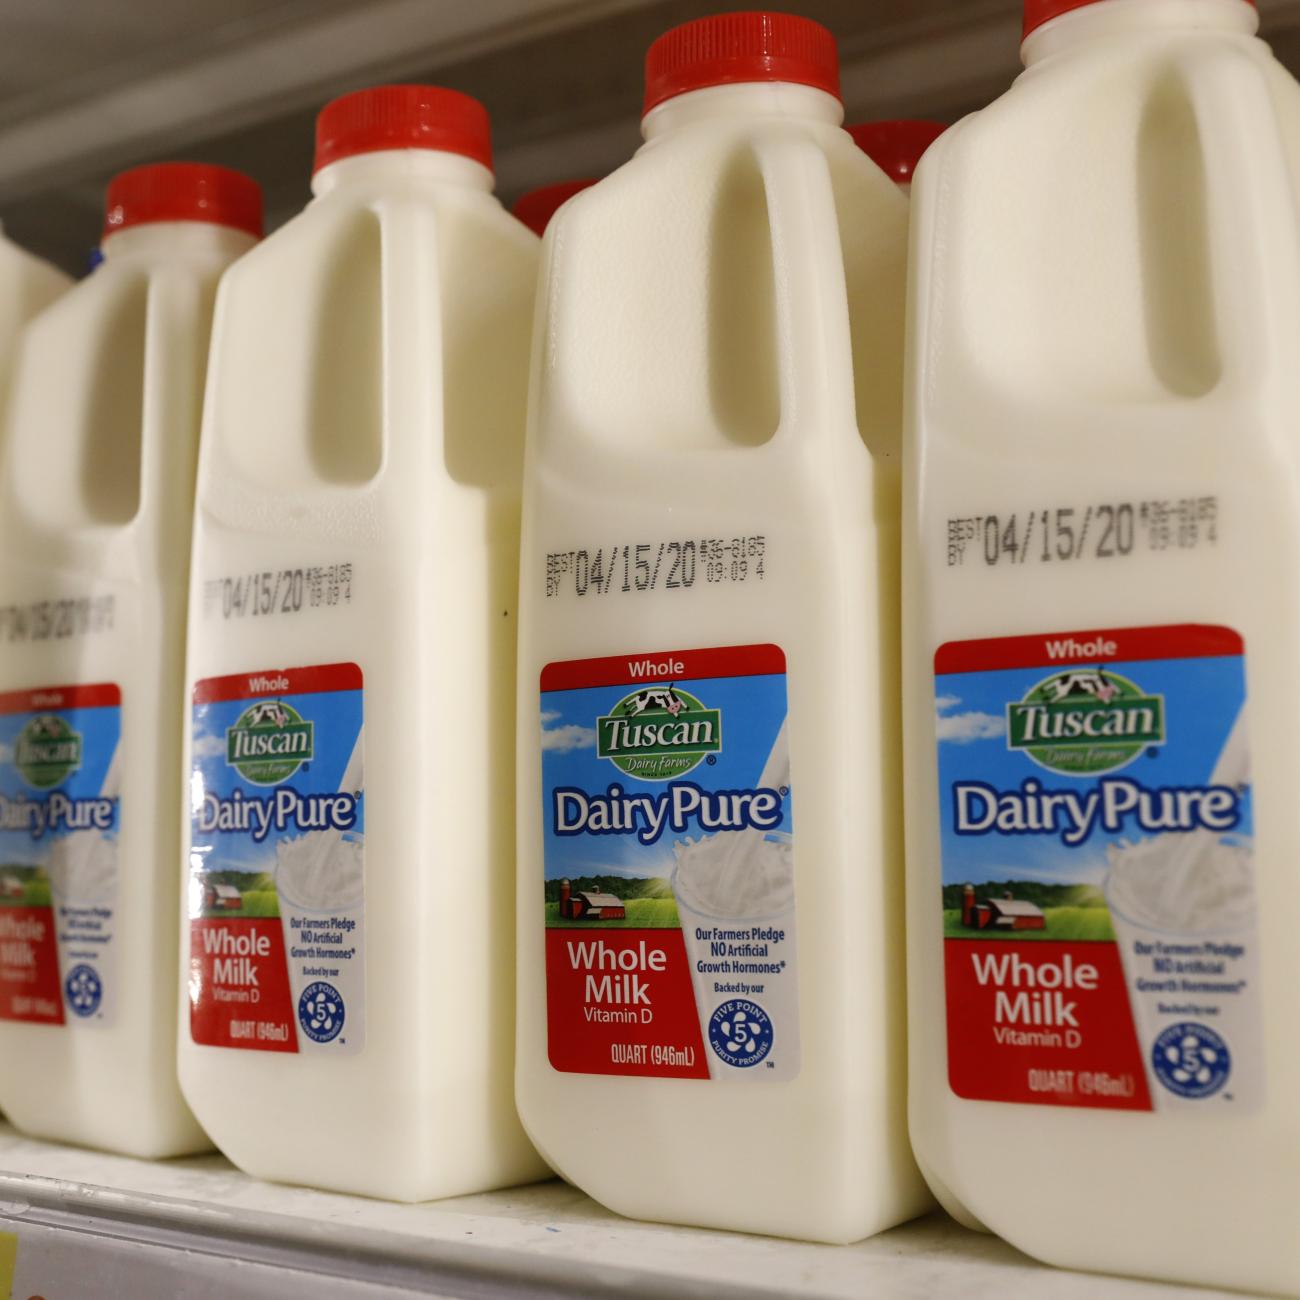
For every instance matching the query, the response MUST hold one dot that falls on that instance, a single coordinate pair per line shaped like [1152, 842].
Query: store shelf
[91, 1225]
[87, 88]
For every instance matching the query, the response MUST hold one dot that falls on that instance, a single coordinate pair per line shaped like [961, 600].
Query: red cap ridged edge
[896, 146]
[1038, 12]
[403, 117]
[183, 191]
[536, 208]
[754, 45]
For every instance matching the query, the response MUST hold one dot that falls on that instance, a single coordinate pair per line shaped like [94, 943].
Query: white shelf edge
[538, 1241]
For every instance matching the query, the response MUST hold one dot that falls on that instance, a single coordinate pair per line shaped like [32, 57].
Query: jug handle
[1251, 214]
[173, 308]
[411, 310]
[814, 353]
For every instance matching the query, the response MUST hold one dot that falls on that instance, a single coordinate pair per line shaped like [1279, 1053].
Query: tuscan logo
[269, 743]
[659, 732]
[47, 751]
[1084, 721]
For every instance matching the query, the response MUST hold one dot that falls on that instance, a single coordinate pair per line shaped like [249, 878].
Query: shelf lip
[274, 71]
[397, 1260]
[543, 1240]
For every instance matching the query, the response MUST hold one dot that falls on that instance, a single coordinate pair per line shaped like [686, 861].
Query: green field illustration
[261, 902]
[1025, 910]
[1061, 923]
[24, 887]
[238, 893]
[610, 903]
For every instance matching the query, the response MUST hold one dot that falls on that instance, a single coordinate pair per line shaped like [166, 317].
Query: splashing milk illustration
[1183, 909]
[735, 899]
[320, 880]
[82, 870]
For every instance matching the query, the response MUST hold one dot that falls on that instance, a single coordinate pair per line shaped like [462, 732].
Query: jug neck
[743, 100]
[164, 239]
[389, 165]
[1121, 17]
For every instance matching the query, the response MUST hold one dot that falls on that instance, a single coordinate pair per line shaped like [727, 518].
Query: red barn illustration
[1005, 913]
[225, 898]
[589, 905]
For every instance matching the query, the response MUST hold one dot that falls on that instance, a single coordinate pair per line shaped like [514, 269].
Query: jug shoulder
[388, 197]
[66, 343]
[353, 222]
[375, 342]
[731, 249]
[28, 279]
[1131, 56]
[699, 153]
[1113, 236]
[719, 134]
[88, 303]
[690, 173]
[105, 398]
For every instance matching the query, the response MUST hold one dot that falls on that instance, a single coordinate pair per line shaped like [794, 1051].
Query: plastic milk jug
[710, 886]
[896, 146]
[536, 208]
[27, 285]
[351, 797]
[1102, 584]
[95, 519]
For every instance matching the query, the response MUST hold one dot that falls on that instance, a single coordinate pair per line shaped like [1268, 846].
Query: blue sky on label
[336, 719]
[752, 711]
[1202, 700]
[99, 729]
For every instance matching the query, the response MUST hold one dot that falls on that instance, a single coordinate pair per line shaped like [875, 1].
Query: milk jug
[27, 286]
[1102, 586]
[536, 208]
[896, 146]
[95, 518]
[351, 798]
[710, 893]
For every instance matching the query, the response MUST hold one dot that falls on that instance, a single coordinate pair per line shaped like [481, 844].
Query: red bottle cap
[730, 48]
[181, 191]
[896, 147]
[536, 208]
[403, 117]
[1038, 12]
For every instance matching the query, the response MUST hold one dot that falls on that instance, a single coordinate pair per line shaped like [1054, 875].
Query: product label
[59, 821]
[277, 847]
[669, 864]
[1100, 943]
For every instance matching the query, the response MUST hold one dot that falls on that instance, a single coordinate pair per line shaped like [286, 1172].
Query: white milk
[27, 286]
[94, 537]
[353, 625]
[1102, 623]
[710, 548]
